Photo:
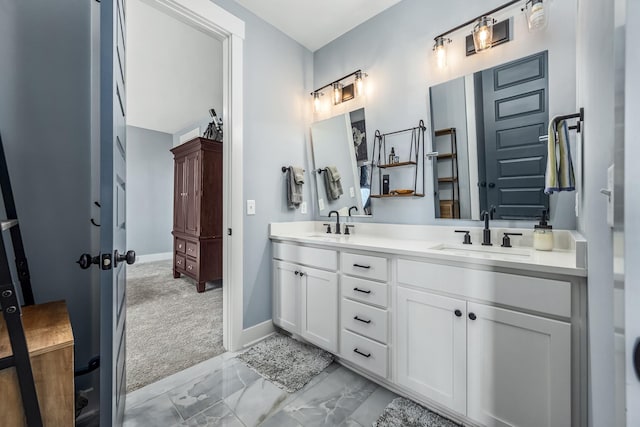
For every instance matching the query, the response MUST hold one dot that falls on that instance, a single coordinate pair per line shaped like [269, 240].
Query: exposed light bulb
[337, 93]
[483, 33]
[441, 51]
[536, 15]
[316, 101]
[359, 83]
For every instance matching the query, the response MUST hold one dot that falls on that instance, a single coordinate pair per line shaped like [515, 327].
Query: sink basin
[326, 236]
[483, 251]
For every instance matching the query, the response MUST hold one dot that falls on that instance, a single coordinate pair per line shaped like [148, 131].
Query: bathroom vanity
[486, 335]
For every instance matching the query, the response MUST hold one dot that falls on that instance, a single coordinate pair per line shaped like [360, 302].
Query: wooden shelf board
[395, 165]
[447, 156]
[46, 327]
[441, 132]
[449, 179]
[384, 196]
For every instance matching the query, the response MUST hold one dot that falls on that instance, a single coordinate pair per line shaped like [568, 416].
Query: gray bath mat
[288, 363]
[402, 412]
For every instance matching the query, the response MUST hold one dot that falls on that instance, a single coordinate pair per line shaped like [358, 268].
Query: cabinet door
[286, 296]
[320, 308]
[179, 192]
[431, 354]
[192, 214]
[519, 369]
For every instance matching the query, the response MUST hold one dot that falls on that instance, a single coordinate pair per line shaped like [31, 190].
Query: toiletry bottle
[543, 234]
[392, 156]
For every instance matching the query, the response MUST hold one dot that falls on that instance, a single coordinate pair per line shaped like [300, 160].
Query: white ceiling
[314, 23]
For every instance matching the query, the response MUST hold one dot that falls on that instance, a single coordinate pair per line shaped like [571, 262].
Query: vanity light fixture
[483, 33]
[342, 92]
[440, 49]
[536, 14]
[316, 100]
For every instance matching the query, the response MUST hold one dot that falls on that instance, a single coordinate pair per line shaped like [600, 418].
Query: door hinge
[228, 232]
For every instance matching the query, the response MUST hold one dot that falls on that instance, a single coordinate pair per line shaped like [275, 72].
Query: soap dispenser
[543, 234]
[392, 156]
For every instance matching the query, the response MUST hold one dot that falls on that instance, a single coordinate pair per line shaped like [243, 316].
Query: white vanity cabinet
[305, 293]
[498, 366]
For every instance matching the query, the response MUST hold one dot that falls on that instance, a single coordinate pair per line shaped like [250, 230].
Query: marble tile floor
[224, 391]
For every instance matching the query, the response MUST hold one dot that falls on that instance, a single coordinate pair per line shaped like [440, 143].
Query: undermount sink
[479, 250]
[326, 236]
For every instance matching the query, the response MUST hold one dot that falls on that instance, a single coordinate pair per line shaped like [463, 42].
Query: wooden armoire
[197, 211]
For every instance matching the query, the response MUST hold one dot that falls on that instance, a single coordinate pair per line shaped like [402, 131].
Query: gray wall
[149, 191]
[277, 82]
[596, 94]
[394, 49]
[44, 121]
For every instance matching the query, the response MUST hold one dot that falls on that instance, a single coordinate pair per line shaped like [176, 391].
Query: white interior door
[112, 194]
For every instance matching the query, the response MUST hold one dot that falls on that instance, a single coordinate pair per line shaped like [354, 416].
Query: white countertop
[442, 243]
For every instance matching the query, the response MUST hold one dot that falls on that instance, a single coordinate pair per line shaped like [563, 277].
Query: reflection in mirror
[486, 130]
[340, 144]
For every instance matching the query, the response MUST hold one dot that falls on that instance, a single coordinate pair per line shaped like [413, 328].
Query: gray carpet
[170, 326]
[288, 363]
[402, 412]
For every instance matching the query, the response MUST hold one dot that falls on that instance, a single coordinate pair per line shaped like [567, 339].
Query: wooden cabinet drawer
[364, 319]
[313, 257]
[371, 267]
[180, 262]
[533, 293]
[365, 291]
[181, 246]
[192, 249]
[368, 354]
[192, 267]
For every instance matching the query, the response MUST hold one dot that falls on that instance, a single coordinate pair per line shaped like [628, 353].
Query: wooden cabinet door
[286, 296]
[320, 308]
[431, 353]
[179, 192]
[192, 189]
[519, 368]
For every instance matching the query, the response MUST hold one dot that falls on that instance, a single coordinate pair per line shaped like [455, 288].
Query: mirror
[486, 129]
[340, 143]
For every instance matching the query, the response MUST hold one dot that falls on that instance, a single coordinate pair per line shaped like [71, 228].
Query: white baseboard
[256, 333]
[141, 259]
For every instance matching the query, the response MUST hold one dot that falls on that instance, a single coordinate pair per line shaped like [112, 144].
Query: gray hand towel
[332, 182]
[295, 179]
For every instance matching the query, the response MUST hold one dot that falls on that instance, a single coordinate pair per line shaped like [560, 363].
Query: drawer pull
[360, 290]
[361, 320]
[180, 246]
[178, 262]
[190, 267]
[361, 266]
[361, 353]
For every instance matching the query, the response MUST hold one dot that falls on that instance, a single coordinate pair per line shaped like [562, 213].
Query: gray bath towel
[295, 179]
[332, 182]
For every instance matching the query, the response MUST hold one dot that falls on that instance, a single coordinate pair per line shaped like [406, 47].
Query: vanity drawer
[314, 257]
[192, 267]
[180, 262]
[365, 291]
[532, 293]
[364, 319]
[371, 267]
[181, 246]
[368, 354]
[192, 249]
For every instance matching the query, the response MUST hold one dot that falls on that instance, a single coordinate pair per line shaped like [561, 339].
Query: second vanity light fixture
[483, 34]
[339, 91]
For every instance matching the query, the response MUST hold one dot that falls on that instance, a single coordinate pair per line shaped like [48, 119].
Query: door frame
[222, 25]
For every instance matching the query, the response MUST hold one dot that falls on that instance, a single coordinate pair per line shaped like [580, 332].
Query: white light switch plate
[303, 207]
[251, 207]
[321, 204]
[352, 192]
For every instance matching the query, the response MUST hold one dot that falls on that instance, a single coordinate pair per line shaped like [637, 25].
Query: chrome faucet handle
[328, 228]
[467, 237]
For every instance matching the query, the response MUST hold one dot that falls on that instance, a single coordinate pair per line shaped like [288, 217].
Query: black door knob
[472, 316]
[491, 185]
[458, 313]
[129, 257]
[482, 184]
[86, 260]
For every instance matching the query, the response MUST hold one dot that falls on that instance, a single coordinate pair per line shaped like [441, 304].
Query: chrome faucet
[486, 233]
[337, 221]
